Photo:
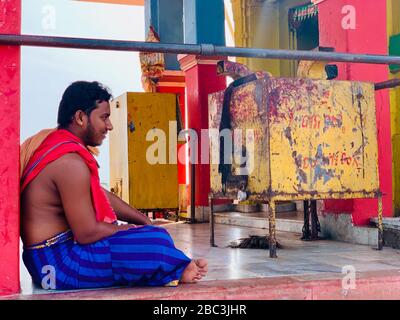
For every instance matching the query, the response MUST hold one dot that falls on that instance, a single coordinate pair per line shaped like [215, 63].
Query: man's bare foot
[202, 264]
[191, 274]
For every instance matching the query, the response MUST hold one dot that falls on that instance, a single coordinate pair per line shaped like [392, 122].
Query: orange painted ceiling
[128, 2]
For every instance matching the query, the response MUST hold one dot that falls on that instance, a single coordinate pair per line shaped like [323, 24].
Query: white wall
[46, 72]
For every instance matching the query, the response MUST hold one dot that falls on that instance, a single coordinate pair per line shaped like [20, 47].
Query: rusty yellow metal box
[141, 172]
[296, 139]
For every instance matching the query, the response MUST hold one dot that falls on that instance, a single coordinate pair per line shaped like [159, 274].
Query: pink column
[369, 36]
[10, 22]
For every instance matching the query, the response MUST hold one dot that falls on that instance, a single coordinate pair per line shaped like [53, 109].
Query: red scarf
[55, 146]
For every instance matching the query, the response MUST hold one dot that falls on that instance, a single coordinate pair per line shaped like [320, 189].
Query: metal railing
[196, 49]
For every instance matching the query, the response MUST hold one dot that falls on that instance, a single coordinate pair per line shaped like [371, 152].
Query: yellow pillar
[264, 24]
[288, 68]
[257, 26]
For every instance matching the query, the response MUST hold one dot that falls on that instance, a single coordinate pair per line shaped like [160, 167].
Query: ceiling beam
[126, 2]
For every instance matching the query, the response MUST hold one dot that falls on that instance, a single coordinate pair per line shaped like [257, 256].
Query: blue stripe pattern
[144, 256]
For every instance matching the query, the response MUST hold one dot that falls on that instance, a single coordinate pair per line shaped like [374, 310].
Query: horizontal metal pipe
[387, 84]
[96, 44]
[197, 49]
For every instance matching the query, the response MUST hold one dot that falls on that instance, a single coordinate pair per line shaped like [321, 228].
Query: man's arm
[125, 212]
[72, 179]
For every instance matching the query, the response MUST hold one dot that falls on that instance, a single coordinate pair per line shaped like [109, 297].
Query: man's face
[99, 124]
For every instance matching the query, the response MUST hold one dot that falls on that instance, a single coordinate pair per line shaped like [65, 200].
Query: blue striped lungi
[143, 256]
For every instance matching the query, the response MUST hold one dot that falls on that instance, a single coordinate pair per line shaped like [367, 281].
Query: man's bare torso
[42, 214]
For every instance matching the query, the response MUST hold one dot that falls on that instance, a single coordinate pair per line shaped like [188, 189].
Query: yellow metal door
[151, 185]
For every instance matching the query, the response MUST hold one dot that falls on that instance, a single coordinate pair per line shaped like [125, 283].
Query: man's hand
[128, 226]
[125, 212]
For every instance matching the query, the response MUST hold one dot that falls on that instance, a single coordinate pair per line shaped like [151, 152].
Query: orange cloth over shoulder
[29, 146]
[49, 146]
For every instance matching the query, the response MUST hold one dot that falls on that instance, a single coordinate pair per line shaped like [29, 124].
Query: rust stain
[301, 175]
[288, 135]
[359, 97]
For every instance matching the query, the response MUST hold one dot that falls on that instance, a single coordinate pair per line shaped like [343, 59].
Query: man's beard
[91, 138]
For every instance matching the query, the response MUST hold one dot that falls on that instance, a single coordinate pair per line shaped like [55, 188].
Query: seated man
[68, 222]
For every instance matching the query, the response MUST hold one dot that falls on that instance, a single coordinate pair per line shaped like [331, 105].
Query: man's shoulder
[70, 157]
[69, 165]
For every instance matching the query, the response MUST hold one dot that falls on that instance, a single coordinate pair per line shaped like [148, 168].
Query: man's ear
[80, 118]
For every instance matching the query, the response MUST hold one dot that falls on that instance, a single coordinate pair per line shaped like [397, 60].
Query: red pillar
[173, 81]
[10, 22]
[368, 36]
[201, 80]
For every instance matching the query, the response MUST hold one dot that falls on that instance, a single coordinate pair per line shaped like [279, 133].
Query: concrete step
[391, 231]
[388, 223]
[338, 227]
[289, 222]
[328, 286]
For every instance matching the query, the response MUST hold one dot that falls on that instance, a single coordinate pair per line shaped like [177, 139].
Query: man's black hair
[81, 95]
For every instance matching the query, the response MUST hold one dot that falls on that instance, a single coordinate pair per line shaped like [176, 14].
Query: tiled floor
[296, 258]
